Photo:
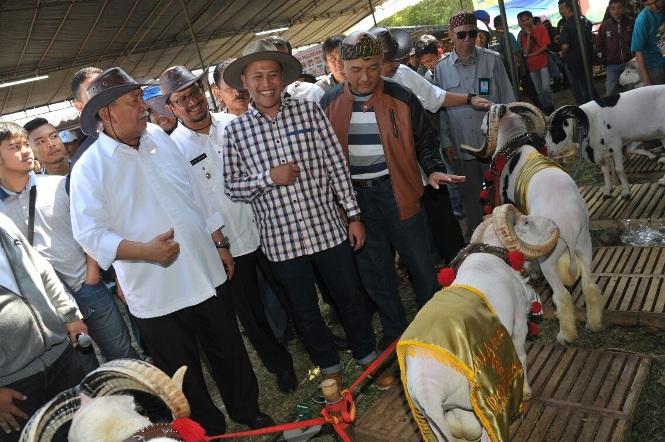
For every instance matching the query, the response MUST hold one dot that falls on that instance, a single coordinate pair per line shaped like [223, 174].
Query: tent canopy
[144, 37]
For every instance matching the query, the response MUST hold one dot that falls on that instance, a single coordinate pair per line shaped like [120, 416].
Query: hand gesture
[162, 249]
[356, 235]
[438, 178]
[74, 328]
[480, 103]
[8, 411]
[285, 174]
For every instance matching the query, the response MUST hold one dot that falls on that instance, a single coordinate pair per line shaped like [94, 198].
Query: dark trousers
[577, 81]
[172, 340]
[339, 274]
[66, 372]
[447, 233]
[246, 299]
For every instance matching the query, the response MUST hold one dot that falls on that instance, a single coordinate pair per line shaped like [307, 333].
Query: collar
[471, 60]
[32, 181]
[189, 133]
[286, 101]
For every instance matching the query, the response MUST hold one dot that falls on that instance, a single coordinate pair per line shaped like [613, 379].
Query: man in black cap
[389, 139]
[134, 206]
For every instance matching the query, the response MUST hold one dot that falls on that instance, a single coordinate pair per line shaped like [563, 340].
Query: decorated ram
[462, 359]
[521, 175]
[610, 128]
[100, 413]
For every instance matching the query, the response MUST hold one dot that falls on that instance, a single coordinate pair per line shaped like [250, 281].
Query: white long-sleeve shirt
[430, 95]
[121, 193]
[202, 154]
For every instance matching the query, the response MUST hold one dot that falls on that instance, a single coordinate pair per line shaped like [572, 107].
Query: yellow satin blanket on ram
[459, 328]
[534, 163]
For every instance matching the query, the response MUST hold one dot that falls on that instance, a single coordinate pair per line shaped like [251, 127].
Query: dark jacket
[407, 135]
[614, 40]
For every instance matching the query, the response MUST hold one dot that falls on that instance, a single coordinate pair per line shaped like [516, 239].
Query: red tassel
[189, 430]
[487, 175]
[534, 329]
[484, 194]
[487, 209]
[516, 259]
[536, 308]
[446, 276]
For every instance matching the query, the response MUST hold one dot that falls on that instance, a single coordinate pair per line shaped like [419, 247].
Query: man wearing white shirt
[198, 128]
[134, 206]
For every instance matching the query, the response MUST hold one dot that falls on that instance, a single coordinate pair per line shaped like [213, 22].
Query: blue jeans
[612, 74]
[410, 238]
[340, 275]
[541, 81]
[105, 323]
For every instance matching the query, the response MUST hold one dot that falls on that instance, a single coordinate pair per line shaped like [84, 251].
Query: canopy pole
[371, 8]
[508, 51]
[196, 44]
[583, 48]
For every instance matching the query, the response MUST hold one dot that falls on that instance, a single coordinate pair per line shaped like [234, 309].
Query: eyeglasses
[197, 92]
[461, 35]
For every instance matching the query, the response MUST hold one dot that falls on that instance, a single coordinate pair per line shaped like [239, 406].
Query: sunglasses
[461, 35]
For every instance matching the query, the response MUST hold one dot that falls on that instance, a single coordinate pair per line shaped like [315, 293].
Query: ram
[463, 359]
[610, 129]
[523, 176]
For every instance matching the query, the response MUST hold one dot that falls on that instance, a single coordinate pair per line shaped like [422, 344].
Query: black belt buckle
[370, 182]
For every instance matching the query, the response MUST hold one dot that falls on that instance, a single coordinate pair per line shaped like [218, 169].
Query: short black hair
[333, 42]
[35, 123]
[80, 76]
[527, 13]
[9, 130]
[568, 3]
[307, 78]
[426, 44]
[279, 41]
[498, 21]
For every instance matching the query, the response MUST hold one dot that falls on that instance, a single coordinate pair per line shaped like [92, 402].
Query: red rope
[346, 409]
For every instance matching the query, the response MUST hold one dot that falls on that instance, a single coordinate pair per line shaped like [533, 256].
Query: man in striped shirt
[282, 157]
[383, 128]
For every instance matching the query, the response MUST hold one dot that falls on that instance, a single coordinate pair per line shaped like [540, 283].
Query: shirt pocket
[206, 173]
[451, 82]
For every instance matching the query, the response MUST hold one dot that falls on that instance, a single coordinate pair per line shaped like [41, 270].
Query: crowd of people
[294, 189]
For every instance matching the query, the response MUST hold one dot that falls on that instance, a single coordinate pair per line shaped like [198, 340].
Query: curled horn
[496, 112]
[556, 119]
[504, 224]
[477, 236]
[534, 117]
[113, 377]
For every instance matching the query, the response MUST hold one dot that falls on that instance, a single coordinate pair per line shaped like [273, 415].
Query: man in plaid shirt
[283, 158]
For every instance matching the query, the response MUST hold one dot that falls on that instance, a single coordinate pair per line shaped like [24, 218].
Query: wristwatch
[223, 244]
[355, 219]
[469, 97]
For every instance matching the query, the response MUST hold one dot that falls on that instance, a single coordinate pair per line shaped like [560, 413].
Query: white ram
[445, 399]
[551, 193]
[601, 128]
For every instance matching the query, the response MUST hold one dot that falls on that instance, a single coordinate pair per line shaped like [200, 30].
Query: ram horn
[556, 119]
[534, 117]
[113, 377]
[477, 236]
[505, 218]
[489, 146]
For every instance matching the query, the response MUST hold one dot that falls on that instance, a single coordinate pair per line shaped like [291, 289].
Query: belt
[370, 182]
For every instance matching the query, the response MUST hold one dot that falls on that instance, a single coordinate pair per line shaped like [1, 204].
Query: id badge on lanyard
[483, 86]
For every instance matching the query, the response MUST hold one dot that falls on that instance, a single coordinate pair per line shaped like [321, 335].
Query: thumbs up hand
[163, 249]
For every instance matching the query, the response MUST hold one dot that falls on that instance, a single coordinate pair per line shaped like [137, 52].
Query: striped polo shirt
[366, 156]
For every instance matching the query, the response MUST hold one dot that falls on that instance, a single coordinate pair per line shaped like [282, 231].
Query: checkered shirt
[301, 218]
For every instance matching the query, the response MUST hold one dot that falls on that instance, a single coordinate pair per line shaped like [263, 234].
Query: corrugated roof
[144, 37]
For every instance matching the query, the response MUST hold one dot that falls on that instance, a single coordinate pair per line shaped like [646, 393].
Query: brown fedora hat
[177, 78]
[257, 51]
[104, 90]
[396, 43]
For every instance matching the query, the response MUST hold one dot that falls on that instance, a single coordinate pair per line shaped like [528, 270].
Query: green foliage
[427, 12]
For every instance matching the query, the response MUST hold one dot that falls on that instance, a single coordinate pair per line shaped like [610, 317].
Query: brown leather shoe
[384, 379]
